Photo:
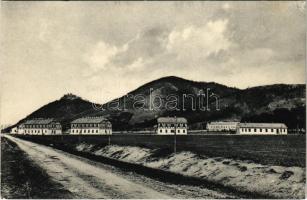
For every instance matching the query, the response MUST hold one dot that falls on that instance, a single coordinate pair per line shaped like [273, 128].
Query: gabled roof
[85, 120]
[39, 121]
[262, 125]
[172, 120]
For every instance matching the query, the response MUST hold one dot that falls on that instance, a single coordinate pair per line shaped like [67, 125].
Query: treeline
[294, 118]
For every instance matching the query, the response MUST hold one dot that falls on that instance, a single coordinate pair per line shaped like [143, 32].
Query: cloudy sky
[102, 50]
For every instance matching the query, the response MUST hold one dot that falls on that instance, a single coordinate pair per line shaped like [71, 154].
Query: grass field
[285, 150]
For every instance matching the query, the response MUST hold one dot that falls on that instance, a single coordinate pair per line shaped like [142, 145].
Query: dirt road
[87, 179]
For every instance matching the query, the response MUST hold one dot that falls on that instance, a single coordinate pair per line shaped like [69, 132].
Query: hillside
[171, 96]
[66, 109]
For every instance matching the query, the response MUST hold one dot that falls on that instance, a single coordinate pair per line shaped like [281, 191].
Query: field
[285, 150]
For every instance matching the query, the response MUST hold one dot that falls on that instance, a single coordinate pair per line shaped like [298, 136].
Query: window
[166, 131]
[266, 130]
[255, 130]
[92, 131]
[96, 131]
[178, 131]
[183, 131]
[249, 130]
[72, 131]
[260, 130]
[160, 130]
[271, 130]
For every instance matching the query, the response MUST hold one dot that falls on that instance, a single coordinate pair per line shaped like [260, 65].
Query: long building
[222, 126]
[91, 126]
[262, 128]
[170, 125]
[40, 126]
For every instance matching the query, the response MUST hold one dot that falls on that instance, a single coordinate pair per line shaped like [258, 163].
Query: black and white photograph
[153, 99]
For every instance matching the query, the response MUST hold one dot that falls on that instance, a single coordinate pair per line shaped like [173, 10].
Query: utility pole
[175, 136]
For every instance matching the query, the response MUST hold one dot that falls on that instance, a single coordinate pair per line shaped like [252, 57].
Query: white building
[14, 130]
[40, 126]
[170, 125]
[262, 128]
[91, 126]
[222, 126]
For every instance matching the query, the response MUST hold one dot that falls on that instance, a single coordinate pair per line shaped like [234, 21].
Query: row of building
[85, 125]
[248, 128]
[165, 126]
[171, 125]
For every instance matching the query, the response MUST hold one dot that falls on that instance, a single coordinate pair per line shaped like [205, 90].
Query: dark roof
[39, 121]
[85, 120]
[262, 125]
[223, 123]
[172, 120]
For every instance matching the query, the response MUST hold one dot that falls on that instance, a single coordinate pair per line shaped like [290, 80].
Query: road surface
[88, 179]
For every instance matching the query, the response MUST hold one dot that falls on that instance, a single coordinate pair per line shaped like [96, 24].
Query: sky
[103, 50]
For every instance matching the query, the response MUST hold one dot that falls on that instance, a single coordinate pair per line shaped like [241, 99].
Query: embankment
[267, 180]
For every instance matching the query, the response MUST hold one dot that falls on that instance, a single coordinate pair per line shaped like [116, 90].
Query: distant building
[170, 125]
[40, 126]
[91, 126]
[262, 128]
[222, 126]
[14, 130]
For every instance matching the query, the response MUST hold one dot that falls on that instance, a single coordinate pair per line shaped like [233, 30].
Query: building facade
[222, 126]
[172, 125]
[262, 128]
[40, 126]
[91, 126]
[14, 130]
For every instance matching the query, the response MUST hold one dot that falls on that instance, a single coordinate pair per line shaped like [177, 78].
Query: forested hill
[271, 103]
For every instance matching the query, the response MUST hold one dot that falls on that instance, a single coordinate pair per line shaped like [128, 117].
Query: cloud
[136, 65]
[226, 6]
[157, 46]
[145, 46]
[59, 48]
[99, 57]
[198, 42]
